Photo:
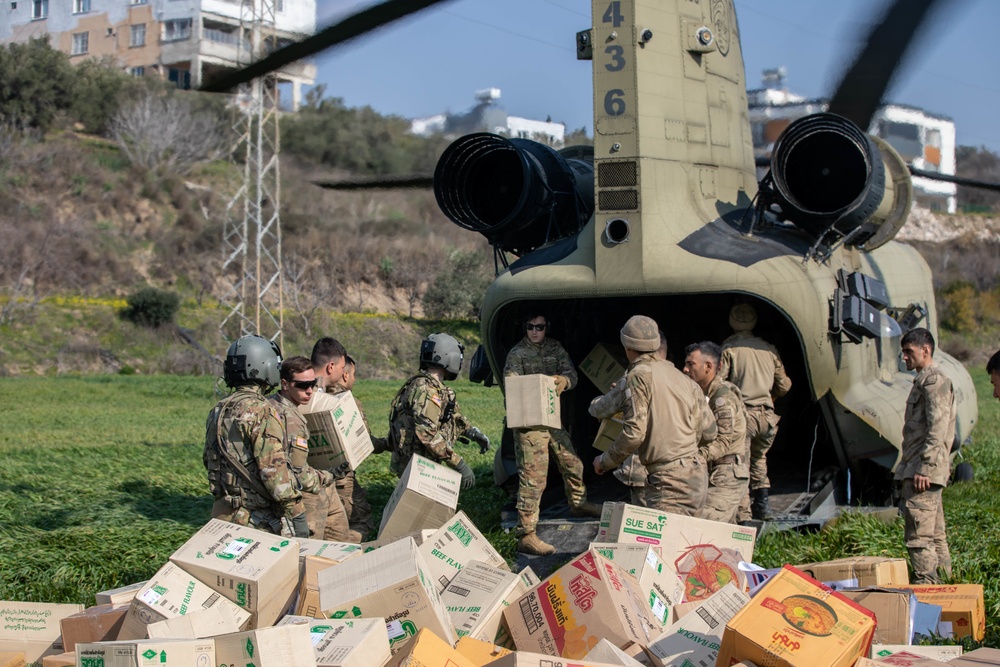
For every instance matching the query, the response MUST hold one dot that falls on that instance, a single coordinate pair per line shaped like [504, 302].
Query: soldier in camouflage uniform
[726, 456]
[631, 473]
[666, 418]
[324, 511]
[993, 370]
[754, 365]
[536, 354]
[924, 466]
[352, 494]
[248, 471]
[425, 418]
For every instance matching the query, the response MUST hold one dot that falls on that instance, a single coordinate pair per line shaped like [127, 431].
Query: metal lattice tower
[251, 235]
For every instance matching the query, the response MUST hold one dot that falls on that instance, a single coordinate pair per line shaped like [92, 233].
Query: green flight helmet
[443, 351]
[253, 360]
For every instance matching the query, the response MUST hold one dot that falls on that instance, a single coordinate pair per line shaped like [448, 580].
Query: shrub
[958, 308]
[458, 289]
[151, 307]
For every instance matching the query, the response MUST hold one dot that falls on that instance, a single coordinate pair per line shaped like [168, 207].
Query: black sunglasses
[305, 384]
[535, 327]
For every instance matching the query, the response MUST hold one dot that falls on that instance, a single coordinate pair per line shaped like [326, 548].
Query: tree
[458, 288]
[37, 83]
[980, 164]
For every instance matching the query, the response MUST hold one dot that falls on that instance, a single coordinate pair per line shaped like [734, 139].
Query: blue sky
[437, 60]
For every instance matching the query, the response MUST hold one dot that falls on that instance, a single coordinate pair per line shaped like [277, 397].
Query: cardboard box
[337, 552]
[860, 571]
[425, 497]
[609, 511]
[962, 605]
[456, 544]
[695, 639]
[67, 659]
[258, 571]
[981, 657]
[607, 652]
[532, 402]
[608, 432]
[119, 595]
[33, 627]
[13, 659]
[308, 602]
[705, 554]
[603, 367]
[337, 431]
[94, 624]
[284, 646]
[201, 624]
[901, 659]
[172, 592]
[893, 610]
[147, 653]
[584, 601]
[944, 653]
[360, 642]
[476, 597]
[479, 652]
[528, 659]
[662, 587]
[392, 583]
[429, 650]
[419, 536]
[795, 621]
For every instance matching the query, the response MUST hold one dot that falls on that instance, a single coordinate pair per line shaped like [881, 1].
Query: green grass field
[103, 479]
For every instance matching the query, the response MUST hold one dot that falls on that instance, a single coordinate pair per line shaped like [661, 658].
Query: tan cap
[742, 317]
[641, 334]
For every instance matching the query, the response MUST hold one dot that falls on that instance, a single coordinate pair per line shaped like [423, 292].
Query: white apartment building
[925, 140]
[489, 116]
[181, 40]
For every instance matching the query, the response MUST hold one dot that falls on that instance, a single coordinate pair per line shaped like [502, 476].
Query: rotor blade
[353, 26]
[860, 91]
[380, 182]
[958, 180]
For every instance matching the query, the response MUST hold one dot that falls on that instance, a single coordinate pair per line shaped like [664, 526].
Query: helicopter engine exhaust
[518, 193]
[826, 171]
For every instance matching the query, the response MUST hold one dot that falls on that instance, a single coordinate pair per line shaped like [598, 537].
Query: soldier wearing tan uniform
[666, 419]
[728, 468]
[993, 370]
[924, 466]
[754, 365]
[324, 511]
[536, 354]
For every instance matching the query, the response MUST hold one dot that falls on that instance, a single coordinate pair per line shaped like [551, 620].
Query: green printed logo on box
[408, 630]
[160, 589]
[552, 401]
[149, 654]
[884, 652]
[461, 533]
[321, 628]
[249, 647]
[281, 545]
[91, 662]
[338, 413]
[241, 594]
[341, 614]
[742, 536]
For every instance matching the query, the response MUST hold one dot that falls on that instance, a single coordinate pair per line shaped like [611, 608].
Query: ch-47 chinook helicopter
[665, 217]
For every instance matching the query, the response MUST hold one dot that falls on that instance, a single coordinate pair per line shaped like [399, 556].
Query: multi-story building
[184, 41]
[924, 140]
[488, 115]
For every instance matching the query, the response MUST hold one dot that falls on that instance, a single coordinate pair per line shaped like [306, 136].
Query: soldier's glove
[325, 477]
[468, 477]
[562, 383]
[300, 527]
[340, 472]
[479, 438]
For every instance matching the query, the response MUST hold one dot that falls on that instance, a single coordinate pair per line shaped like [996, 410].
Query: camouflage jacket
[666, 415]
[754, 365]
[929, 427]
[726, 403]
[609, 404]
[425, 419]
[546, 358]
[252, 433]
[297, 443]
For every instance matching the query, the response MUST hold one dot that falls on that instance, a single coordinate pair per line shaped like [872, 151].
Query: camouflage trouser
[532, 450]
[264, 520]
[727, 485]
[326, 516]
[678, 487]
[359, 511]
[762, 426]
[632, 474]
[923, 513]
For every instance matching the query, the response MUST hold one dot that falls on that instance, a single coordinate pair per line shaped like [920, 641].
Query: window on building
[137, 35]
[137, 71]
[138, 2]
[176, 29]
[81, 6]
[279, 5]
[904, 137]
[81, 43]
[180, 78]
[39, 9]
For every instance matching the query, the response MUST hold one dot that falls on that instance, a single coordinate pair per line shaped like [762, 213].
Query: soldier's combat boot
[533, 545]
[760, 506]
[586, 508]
